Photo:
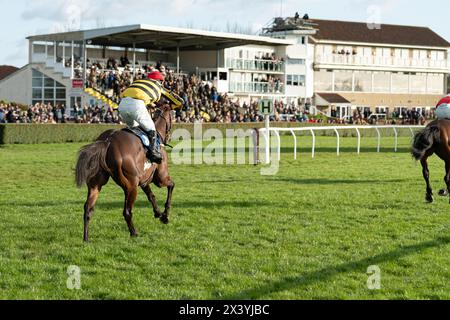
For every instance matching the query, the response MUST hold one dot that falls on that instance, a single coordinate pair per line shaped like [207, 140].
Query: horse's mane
[160, 111]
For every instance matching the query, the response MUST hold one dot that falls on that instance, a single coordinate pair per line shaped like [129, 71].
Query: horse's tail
[424, 140]
[91, 160]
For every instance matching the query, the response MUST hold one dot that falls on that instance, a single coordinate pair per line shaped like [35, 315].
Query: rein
[168, 125]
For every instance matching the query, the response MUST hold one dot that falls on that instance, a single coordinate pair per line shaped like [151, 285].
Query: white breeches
[443, 112]
[135, 114]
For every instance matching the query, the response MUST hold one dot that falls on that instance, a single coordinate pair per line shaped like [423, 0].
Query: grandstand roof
[324, 99]
[5, 71]
[359, 32]
[161, 38]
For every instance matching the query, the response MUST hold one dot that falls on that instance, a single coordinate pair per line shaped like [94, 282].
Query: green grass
[309, 232]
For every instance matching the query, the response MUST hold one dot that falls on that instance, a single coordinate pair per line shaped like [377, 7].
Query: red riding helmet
[156, 75]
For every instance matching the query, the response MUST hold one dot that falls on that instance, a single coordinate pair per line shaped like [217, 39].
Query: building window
[323, 81]
[435, 83]
[47, 90]
[296, 61]
[343, 81]
[295, 80]
[400, 82]
[381, 82]
[363, 81]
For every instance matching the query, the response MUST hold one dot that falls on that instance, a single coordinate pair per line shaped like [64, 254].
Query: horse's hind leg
[94, 189]
[426, 176]
[92, 197]
[130, 198]
[151, 197]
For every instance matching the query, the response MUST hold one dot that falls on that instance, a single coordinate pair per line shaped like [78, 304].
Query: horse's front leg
[151, 197]
[170, 186]
[447, 177]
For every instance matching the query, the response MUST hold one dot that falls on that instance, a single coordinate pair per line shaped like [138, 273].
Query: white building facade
[384, 70]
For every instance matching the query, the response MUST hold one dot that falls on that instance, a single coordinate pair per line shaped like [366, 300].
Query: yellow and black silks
[151, 91]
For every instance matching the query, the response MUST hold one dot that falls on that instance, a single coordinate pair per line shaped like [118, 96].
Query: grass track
[309, 232]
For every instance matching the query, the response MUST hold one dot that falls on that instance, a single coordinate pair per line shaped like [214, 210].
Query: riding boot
[154, 153]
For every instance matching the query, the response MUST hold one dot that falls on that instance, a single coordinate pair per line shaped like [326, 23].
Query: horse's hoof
[134, 235]
[164, 220]
[158, 215]
[429, 198]
[443, 193]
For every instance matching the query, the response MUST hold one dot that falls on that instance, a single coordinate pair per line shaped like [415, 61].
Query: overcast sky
[22, 18]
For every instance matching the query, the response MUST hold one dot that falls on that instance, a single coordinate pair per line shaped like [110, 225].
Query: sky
[22, 18]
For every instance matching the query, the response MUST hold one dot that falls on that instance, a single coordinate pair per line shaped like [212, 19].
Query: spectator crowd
[202, 102]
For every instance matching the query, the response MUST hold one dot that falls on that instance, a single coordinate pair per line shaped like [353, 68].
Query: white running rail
[336, 129]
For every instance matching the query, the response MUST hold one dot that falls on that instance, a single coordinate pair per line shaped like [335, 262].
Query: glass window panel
[48, 82]
[419, 83]
[302, 81]
[323, 81]
[36, 101]
[59, 85]
[363, 81]
[381, 82]
[37, 93]
[289, 80]
[400, 83]
[343, 81]
[49, 93]
[295, 81]
[36, 74]
[37, 82]
[436, 83]
[60, 93]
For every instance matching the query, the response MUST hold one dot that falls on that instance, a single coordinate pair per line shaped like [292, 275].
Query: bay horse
[120, 155]
[434, 139]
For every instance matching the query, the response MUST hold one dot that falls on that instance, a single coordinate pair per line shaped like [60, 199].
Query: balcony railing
[381, 61]
[255, 65]
[256, 87]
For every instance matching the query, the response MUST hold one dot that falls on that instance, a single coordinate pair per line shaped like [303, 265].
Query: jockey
[443, 108]
[133, 108]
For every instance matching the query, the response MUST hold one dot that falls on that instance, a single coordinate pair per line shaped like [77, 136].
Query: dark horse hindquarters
[434, 139]
[424, 140]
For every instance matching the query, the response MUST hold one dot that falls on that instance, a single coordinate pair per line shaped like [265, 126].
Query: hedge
[50, 133]
[62, 133]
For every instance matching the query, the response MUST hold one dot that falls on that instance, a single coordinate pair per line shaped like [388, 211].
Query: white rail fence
[276, 132]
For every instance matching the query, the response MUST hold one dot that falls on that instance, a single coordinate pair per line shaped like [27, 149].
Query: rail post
[295, 144]
[338, 140]
[379, 140]
[313, 143]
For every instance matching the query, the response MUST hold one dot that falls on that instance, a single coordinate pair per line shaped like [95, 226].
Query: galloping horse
[120, 155]
[435, 138]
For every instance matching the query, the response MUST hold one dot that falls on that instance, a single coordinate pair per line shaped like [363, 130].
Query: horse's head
[163, 122]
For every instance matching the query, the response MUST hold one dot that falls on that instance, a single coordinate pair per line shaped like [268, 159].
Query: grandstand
[61, 65]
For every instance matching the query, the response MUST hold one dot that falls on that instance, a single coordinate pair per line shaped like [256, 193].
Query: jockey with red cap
[443, 108]
[133, 108]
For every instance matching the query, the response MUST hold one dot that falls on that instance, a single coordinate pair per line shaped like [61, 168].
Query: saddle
[138, 132]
